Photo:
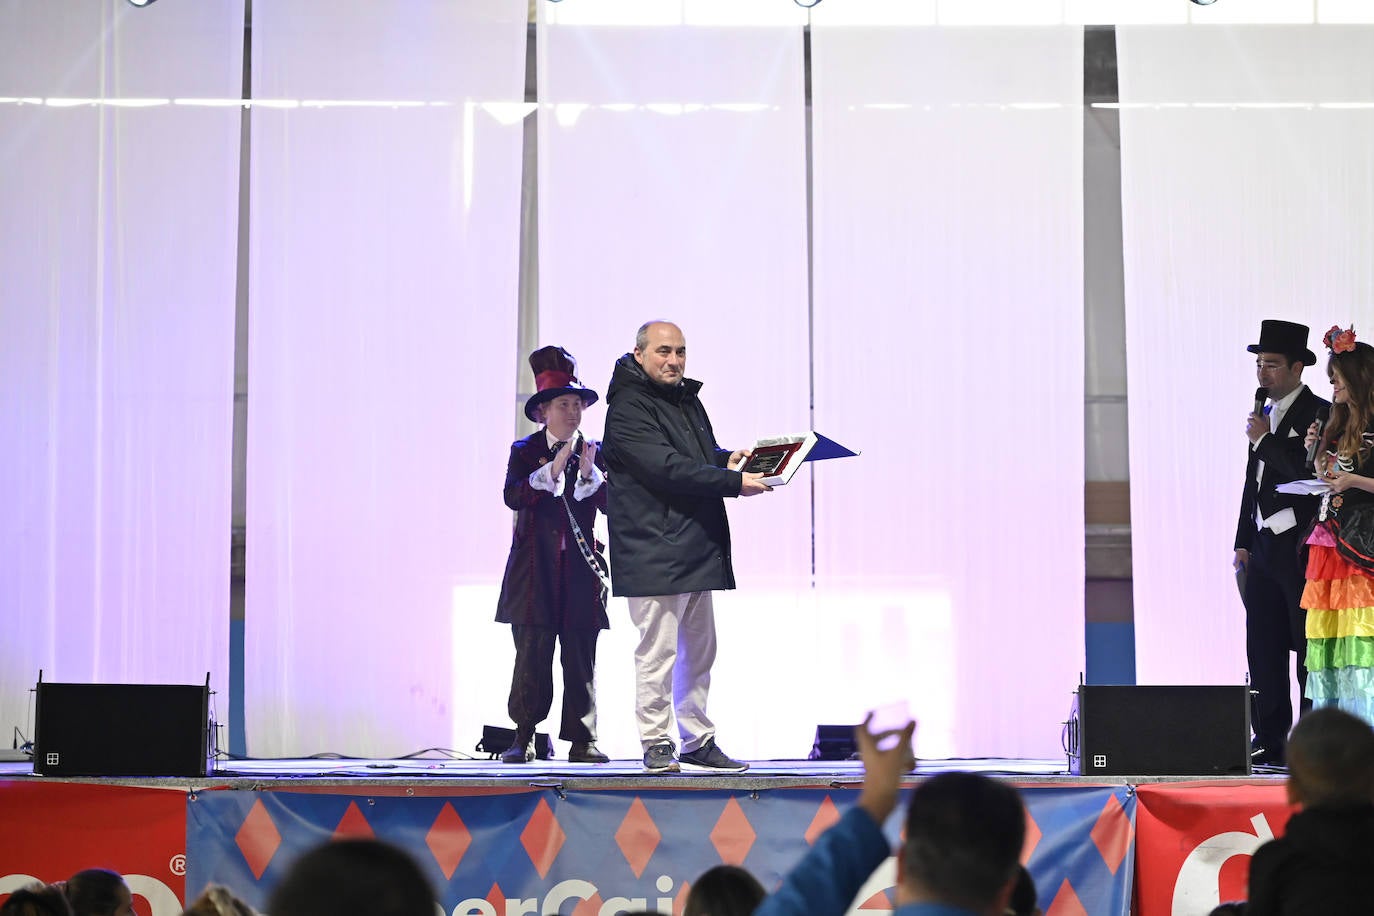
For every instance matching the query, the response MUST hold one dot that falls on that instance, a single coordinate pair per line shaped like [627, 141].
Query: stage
[559, 837]
[461, 770]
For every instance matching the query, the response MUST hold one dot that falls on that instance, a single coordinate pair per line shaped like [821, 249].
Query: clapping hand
[560, 460]
[588, 458]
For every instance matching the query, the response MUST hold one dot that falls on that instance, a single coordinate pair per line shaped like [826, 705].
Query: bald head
[661, 350]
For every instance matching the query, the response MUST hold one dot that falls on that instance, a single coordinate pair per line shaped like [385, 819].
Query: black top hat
[555, 374]
[1286, 337]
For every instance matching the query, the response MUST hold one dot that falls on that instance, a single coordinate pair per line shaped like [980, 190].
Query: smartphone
[887, 718]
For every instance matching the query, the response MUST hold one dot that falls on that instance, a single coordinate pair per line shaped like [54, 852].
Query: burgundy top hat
[555, 374]
[1286, 337]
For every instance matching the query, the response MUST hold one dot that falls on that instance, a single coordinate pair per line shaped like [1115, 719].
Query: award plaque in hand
[777, 459]
[780, 457]
[770, 460]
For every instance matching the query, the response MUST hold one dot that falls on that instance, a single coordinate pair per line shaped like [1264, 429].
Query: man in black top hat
[1270, 528]
[552, 590]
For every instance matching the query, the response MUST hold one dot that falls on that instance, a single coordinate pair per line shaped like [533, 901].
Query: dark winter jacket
[548, 582]
[1323, 865]
[668, 480]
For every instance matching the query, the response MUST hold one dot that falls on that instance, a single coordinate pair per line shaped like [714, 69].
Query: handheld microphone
[1323, 415]
[1261, 395]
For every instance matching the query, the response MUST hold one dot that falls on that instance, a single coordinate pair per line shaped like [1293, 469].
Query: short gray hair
[642, 335]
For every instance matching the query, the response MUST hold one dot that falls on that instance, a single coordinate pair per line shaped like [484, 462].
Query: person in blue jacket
[960, 855]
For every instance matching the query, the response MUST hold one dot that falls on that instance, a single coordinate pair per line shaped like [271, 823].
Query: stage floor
[446, 771]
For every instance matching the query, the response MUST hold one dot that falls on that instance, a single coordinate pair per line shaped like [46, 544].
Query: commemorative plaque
[780, 457]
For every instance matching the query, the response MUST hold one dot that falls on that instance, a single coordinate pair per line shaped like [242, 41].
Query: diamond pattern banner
[609, 851]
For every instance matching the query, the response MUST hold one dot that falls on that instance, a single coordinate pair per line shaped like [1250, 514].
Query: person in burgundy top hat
[1270, 529]
[553, 591]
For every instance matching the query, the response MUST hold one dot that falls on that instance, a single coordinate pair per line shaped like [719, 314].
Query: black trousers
[531, 685]
[1275, 627]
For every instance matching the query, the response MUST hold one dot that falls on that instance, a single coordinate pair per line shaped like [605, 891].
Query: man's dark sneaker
[660, 759]
[586, 752]
[711, 757]
[521, 749]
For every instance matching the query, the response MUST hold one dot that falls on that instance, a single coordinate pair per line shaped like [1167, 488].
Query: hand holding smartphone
[887, 723]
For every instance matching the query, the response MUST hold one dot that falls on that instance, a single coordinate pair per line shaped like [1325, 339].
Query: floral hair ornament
[1338, 341]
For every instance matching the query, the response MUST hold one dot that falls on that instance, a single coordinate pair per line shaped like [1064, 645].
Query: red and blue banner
[49, 831]
[1195, 842]
[607, 851]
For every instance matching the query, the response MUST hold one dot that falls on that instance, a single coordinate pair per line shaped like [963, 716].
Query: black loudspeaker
[1159, 731]
[834, 742]
[122, 730]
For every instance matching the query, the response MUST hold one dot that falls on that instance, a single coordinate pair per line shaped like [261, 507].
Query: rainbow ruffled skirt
[1339, 598]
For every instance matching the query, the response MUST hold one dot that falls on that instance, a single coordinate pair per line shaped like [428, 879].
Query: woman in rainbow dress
[1339, 595]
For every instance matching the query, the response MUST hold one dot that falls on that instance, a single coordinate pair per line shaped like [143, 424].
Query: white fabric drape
[949, 347]
[672, 185]
[1246, 194]
[384, 240]
[117, 254]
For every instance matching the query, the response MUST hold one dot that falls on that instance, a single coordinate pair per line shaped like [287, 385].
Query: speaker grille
[121, 730]
[1161, 731]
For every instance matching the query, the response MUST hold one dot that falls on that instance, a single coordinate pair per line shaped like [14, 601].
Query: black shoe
[710, 757]
[660, 759]
[586, 752]
[521, 749]
[1261, 756]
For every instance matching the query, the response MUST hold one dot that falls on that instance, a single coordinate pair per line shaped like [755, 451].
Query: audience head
[36, 900]
[726, 890]
[1023, 897]
[1331, 760]
[963, 842]
[218, 900]
[363, 877]
[99, 892]
[1230, 908]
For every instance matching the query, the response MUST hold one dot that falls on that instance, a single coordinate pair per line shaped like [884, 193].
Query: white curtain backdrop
[672, 185]
[949, 347]
[117, 253]
[384, 240]
[1246, 194]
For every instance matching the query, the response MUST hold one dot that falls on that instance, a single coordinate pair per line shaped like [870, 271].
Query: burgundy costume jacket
[548, 582]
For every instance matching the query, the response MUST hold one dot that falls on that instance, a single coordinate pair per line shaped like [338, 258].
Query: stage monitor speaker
[1159, 731]
[122, 730]
[834, 742]
[496, 739]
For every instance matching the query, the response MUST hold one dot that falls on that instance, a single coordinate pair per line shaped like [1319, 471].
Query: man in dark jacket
[552, 589]
[1324, 862]
[1270, 529]
[670, 540]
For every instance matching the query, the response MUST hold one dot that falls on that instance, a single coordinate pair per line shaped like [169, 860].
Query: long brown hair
[1350, 420]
